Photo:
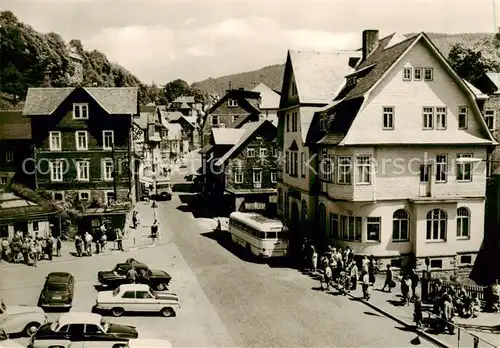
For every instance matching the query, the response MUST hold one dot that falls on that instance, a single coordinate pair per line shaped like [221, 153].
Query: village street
[226, 301]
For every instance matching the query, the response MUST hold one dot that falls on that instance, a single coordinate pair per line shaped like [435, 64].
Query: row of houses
[386, 150]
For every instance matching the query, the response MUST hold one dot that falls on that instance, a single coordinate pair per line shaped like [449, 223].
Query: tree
[471, 63]
[175, 89]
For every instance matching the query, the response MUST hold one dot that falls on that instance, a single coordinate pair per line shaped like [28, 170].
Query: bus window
[271, 235]
[262, 235]
[255, 233]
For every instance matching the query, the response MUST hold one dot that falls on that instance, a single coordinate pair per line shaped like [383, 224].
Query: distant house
[270, 103]
[231, 111]
[175, 145]
[83, 148]
[15, 148]
[246, 174]
[184, 105]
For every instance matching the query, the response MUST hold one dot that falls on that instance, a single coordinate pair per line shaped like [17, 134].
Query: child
[417, 312]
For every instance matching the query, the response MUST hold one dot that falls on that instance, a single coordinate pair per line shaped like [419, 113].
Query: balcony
[155, 137]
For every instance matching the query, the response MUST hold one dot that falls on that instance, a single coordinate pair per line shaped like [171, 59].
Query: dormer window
[80, 111]
[232, 103]
[407, 74]
[351, 81]
[322, 122]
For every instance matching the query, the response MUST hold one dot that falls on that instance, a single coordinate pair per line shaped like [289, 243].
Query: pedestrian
[5, 249]
[389, 281]
[405, 290]
[327, 278]
[372, 269]
[365, 264]
[119, 239]
[414, 282]
[132, 275]
[314, 260]
[103, 241]
[417, 312]
[366, 286]
[58, 246]
[34, 253]
[134, 219]
[88, 243]
[353, 272]
[50, 247]
[155, 230]
[78, 245]
[447, 315]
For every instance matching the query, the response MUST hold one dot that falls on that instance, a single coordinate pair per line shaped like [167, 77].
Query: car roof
[79, 318]
[135, 264]
[134, 287]
[58, 277]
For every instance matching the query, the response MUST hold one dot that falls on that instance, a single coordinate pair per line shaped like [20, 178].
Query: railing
[471, 290]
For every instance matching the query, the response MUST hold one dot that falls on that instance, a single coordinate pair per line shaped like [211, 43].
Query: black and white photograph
[255, 174]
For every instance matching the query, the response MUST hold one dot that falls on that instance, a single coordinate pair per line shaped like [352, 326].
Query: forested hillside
[29, 58]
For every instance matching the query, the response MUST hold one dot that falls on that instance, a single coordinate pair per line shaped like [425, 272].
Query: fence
[469, 289]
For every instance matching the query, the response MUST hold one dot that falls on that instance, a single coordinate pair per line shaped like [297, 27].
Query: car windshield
[116, 291]
[57, 287]
[104, 325]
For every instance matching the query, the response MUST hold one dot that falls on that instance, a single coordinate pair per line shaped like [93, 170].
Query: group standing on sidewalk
[23, 248]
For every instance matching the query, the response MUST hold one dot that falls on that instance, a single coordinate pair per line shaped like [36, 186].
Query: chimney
[229, 85]
[370, 41]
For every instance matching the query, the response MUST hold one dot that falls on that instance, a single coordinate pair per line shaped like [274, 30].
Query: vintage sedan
[21, 319]
[157, 279]
[79, 329]
[137, 298]
[58, 291]
[6, 342]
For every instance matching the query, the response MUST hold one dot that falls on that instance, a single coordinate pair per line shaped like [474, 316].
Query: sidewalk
[389, 305]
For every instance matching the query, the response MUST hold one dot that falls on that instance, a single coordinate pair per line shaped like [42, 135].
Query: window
[428, 74]
[400, 225]
[108, 139]
[235, 117]
[238, 177]
[215, 120]
[9, 156]
[274, 177]
[351, 81]
[262, 152]
[417, 74]
[334, 226]
[80, 111]
[344, 170]
[436, 225]
[129, 294]
[407, 74]
[428, 115]
[92, 329]
[142, 294]
[463, 223]
[322, 219]
[363, 165]
[303, 164]
[36, 226]
[287, 162]
[295, 163]
[82, 168]
[110, 197]
[373, 229]
[55, 141]
[465, 259]
[288, 122]
[3, 180]
[437, 263]
[4, 231]
[350, 227]
[58, 196]
[294, 88]
[322, 121]
[275, 152]
[84, 195]
[108, 169]
[56, 170]
[489, 117]
[464, 170]
[295, 119]
[81, 140]
[388, 117]
[441, 118]
[441, 168]
[232, 103]
[326, 166]
[250, 152]
[257, 176]
[396, 263]
[462, 117]
[424, 173]
[76, 329]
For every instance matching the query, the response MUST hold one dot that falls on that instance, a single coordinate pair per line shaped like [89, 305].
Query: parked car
[81, 327]
[21, 319]
[137, 298]
[58, 291]
[144, 343]
[6, 342]
[156, 279]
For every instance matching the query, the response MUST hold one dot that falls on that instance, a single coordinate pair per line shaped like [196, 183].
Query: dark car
[156, 279]
[58, 291]
[81, 327]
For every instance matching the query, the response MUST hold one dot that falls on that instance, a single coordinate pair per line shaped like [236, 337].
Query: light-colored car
[145, 343]
[81, 329]
[137, 298]
[5, 342]
[21, 319]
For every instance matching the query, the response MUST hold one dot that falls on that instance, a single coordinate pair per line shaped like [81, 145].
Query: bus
[259, 235]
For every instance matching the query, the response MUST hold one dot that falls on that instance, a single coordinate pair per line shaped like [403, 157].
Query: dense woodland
[29, 58]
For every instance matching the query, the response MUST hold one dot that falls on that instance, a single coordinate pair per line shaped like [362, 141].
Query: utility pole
[114, 170]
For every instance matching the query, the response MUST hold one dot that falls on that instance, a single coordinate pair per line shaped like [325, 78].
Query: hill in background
[272, 75]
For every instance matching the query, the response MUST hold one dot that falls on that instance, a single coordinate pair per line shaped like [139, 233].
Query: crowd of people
[27, 249]
[84, 241]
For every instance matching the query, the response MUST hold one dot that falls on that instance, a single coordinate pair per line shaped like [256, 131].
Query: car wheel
[117, 311]
[161, 287]
[167, 312]
[31, 328]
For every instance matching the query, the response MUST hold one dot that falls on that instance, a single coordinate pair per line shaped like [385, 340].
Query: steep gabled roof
[227, 136]
[173, 115]
[250, 129]
[13, 125]
[479, 95]
[495, 79]
[269, 98]
[319, 75]
[114, 100]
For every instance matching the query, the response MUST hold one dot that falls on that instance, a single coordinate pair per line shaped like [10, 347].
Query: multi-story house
[270, 103]
[403, 151]
[311, 81]
[83, 149]
[186, 105]
[16, 149]
[231, 111]
[189, 129]
[247, 174]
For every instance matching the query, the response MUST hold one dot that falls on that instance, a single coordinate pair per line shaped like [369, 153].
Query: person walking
[366, 286]
[417, 312]
[314, 260]
[135, 219]
[58, 246]
[414, 283]
[155, 230]
[405, 290]
[88, 243]
[389, 281]
[78, 245]
[353, 272]
[372, 269]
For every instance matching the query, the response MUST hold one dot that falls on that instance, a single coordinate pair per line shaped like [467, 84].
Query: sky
[159, 41]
